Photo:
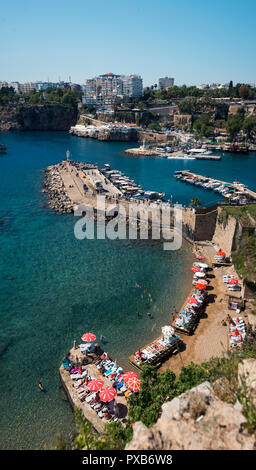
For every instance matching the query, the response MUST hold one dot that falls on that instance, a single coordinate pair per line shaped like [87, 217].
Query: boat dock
[235, 191]
[156, 352]
[180, 155]
[70, 184]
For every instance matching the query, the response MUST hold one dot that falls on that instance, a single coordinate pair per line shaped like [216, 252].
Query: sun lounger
[90, 397]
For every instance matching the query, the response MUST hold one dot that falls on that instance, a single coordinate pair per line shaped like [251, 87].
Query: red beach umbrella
[203, 282]
[200, 286]
[192, 300]
[195, 269]
[133, 383]
[107, 394]
[128, 375]
[220, 253]
[88, 337]
[95, 385]
[200, 257]
[233, 281]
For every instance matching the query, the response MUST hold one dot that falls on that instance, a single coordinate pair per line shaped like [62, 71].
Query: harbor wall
[225, 233]
[199, 225]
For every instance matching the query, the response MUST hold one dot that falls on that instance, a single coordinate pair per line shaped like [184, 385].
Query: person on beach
[40, 385]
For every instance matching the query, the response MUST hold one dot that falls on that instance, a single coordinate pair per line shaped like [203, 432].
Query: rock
[196, 420]
[247, 374]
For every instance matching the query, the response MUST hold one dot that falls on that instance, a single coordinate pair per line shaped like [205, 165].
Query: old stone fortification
[225, 233]
[37, 117]
[199, 224]
[199, 420]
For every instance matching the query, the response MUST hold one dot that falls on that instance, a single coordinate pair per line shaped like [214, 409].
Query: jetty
[70, 184]
[74, 386]
[157, 351]
[181, 155]
[235, 191]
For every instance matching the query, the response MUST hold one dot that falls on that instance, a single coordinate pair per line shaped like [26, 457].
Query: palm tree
[195, 202]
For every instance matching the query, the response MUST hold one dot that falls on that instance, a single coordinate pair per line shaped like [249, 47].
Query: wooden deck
[158, 360]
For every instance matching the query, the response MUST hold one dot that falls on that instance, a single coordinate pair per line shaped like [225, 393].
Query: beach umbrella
[192, 300]
[95, 385]
[233, 281]
[200, 257]
[199, 274]
[107, 394]
[168, 330]
[128, 375]
[220, 253]
[200, 286]
[133, 383]
[203, 282]
[88, 337]
[195, 269]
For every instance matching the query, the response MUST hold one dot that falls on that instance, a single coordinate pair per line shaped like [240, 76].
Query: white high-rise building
[165, 83]
[132, 86]
[109, 87]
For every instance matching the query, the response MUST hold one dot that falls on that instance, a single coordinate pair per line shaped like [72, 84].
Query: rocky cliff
[199, 420]
[37, 117]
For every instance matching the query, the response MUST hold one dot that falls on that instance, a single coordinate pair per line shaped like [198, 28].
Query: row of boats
[127, 186]
[226, 190]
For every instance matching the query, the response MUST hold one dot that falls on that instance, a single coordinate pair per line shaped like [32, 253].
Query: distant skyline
[193, 41]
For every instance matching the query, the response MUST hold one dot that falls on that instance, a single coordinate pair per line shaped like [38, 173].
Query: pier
[235, 191]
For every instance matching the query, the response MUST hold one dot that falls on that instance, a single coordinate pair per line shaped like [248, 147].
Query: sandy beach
[210, 338]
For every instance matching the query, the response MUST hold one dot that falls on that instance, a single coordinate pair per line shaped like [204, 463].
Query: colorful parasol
[133, 383]
[88, 337]
[107, 394]
[95, 385]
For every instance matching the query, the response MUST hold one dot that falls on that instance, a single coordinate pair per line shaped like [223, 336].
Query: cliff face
[37, 118]
[199, 420]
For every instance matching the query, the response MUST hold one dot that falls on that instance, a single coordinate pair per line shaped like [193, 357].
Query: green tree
[195, 202]
[249, 127]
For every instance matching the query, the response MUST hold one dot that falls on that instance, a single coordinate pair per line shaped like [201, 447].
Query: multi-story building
[106, 89]
[132, 86]
[165, 83]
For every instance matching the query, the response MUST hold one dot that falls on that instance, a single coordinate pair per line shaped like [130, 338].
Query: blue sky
[194, 41]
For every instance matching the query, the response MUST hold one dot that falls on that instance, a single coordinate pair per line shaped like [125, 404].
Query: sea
[54, 288]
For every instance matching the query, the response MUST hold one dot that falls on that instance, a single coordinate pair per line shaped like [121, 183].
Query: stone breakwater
[55, 189]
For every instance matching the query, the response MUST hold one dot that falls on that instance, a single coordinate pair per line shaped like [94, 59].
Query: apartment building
[165, 83]
[110, 87]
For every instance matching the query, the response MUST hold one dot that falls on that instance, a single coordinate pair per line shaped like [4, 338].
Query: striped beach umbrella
[200, 286]
[95, 385]
[107, 394]
[195, 269]
[133, 383]
[88, 337]
[192, 300]
[128, 375]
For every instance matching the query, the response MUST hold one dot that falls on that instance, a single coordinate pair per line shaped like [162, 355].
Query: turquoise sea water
[54, 288]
